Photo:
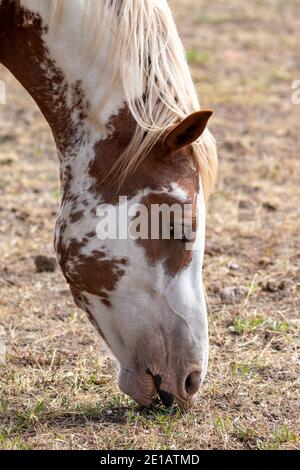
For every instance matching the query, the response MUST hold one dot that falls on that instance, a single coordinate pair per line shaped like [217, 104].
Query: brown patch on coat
[92, 273]
[95, 274]
[24, 53]
[158, 171]
[76, 216]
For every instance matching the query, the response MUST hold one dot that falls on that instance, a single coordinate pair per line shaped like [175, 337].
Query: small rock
[65, 292]
[297, 276]
[278, 346]
[44, 264]
[264, 261]
[269, 206]
[283, 284]
[227, 295]
[216, 288]
[234, 146]
[244, 204]
[270, 286]
[22, 216]
[274, 286]
[6, 161]
[234, 266]
[212, 249]
[230, 295]
[241, 292]
[7, 138]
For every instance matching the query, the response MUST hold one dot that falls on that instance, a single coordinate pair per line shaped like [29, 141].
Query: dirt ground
[55, 393]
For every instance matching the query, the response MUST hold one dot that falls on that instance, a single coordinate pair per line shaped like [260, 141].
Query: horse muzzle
[143, 387]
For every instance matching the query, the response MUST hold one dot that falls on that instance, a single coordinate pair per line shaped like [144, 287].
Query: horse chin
[139, 386]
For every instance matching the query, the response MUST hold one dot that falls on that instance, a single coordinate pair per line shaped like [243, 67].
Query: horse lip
[166, 397]
[136, 387]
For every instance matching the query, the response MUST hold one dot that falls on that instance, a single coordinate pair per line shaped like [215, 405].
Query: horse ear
[187, 131]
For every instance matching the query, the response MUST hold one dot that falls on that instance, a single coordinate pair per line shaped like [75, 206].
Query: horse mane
[147, 55]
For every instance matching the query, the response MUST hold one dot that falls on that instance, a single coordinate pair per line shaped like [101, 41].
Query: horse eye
[183, 238]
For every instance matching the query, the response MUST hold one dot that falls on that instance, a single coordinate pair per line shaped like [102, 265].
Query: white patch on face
[179, 193]
[185, 293]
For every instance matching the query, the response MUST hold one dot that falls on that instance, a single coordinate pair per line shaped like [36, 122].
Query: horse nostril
[192, 383]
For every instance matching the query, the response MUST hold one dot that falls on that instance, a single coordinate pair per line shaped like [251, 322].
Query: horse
[112, 79]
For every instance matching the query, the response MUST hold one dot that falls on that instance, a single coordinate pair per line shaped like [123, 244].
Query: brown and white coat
[146, 297]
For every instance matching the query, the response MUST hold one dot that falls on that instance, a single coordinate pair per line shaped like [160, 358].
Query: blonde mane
[145, 53]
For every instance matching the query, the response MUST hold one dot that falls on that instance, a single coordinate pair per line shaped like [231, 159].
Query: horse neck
[54, 68]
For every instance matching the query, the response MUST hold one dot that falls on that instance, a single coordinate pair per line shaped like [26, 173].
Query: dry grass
[54, 394]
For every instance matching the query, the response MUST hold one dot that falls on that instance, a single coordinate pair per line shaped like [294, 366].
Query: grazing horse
[112, 80]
